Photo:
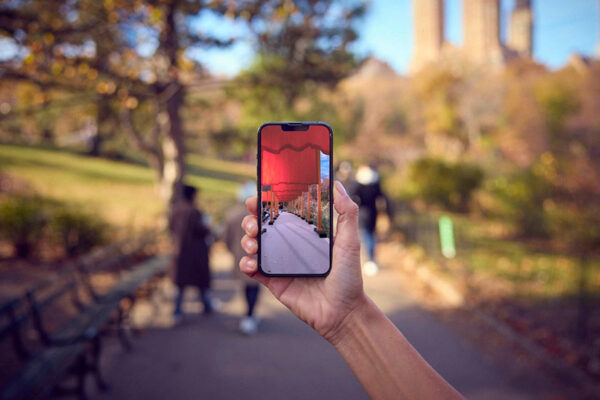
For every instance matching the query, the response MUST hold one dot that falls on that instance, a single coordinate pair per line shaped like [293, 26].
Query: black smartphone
[295, 183]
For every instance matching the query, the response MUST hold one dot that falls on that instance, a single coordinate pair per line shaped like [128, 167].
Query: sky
[324, 166]
[561, 27]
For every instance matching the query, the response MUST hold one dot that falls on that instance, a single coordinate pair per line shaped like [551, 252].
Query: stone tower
[598, 45]
[428, 32]
[520, 36]
[482, 32]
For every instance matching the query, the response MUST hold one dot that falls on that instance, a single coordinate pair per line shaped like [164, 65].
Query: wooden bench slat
[41, 373]
[38, 376]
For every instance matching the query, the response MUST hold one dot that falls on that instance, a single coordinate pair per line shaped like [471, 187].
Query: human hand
[323, 303]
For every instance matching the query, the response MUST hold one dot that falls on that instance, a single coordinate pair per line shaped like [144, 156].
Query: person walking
[232, 238]
[191, 240]
[365, 191]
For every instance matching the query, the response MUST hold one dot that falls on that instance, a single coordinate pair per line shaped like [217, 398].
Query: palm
[322, 303]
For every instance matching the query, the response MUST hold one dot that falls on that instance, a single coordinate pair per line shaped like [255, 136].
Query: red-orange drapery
[274, 139]
[292, 157]
[290, 162]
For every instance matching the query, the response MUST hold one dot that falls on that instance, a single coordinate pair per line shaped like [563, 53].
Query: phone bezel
[294, 126]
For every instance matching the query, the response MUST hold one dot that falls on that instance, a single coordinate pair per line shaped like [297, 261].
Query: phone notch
[295, 127]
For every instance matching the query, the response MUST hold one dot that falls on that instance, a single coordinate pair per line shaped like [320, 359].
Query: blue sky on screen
[561, 28]
[324, 166]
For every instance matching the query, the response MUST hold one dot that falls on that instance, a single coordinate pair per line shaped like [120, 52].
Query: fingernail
[250, 244]
[251, 226]
[251, 263]
[340, 188]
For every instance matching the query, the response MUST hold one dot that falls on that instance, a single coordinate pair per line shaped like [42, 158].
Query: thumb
[347, 223]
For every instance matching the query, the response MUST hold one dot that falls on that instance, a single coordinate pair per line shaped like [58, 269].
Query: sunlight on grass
[124, 194]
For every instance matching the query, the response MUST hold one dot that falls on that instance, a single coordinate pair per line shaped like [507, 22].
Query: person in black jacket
[365, 191]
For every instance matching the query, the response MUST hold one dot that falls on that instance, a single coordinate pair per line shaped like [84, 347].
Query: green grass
[124, 194]
[533, 272]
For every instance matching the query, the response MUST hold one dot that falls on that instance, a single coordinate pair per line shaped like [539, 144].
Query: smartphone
[294, 176]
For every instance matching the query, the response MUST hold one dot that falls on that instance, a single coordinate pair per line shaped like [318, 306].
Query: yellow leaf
[56, 68]
[110, 87]
[83, 68]
[48, 38]
[131, 102]
[101, 87]
[92, 74]
[29, 59]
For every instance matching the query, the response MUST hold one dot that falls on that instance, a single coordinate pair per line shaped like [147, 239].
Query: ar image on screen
[295, 200]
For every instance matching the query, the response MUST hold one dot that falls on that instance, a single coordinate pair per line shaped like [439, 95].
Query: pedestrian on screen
[232, 238]
[191, 240]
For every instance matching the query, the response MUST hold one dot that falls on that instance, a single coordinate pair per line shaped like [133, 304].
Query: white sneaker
[249, 326]
[370, 268]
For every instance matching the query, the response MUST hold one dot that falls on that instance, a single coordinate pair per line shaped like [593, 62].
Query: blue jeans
[204, 296]
[367, 237]
[251, 292]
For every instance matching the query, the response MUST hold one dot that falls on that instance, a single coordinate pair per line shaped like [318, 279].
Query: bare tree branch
[125, 119]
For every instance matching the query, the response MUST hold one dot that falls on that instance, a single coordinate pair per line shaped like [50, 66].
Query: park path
[291, 235]
[206, 357]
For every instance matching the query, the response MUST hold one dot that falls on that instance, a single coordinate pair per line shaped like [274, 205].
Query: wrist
[360, 315]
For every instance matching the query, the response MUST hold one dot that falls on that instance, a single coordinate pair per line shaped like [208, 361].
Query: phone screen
[295, 197]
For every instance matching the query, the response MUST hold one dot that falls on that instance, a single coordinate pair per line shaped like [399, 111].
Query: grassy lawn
[514, 267]
[124, 194]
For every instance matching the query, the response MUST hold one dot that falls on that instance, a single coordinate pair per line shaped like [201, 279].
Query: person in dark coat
[191, 238]
[366, 190]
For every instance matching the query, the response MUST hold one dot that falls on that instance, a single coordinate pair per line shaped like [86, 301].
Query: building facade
[520, 36]
[429, 32]
[481, 25]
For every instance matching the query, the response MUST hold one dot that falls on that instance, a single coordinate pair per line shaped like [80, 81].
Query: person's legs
[178, 312]
[249, 323]
[251, 297]
[371, 244]
[206, 298]
[367, 238]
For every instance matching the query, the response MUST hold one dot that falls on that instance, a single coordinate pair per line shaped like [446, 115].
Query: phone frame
[293, 126]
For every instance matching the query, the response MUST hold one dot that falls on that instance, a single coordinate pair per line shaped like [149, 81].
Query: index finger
[252, 204]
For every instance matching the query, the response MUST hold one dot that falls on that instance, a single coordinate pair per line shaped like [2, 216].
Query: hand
[323, 303]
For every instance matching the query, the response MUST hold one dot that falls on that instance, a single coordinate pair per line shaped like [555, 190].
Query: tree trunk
[173, 150]
[103, 125]
[173, 143]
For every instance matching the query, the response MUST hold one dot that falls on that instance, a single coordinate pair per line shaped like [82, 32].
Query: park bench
[71, 348]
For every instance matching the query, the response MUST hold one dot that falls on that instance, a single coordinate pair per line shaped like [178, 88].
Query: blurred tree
[523, 137]
[125, 53]
[438, 90]
[557, 94]
[449, 185]
[302, 48]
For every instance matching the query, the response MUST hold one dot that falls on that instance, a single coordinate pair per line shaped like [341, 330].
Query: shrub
[22, 222]
[449, 185]
[521, 196]
[77, 231]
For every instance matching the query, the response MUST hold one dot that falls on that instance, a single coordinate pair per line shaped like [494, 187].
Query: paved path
[291, 235]
[206, 357]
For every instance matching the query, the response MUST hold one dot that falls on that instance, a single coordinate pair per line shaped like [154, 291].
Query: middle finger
[249, 245]
[250, 225]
